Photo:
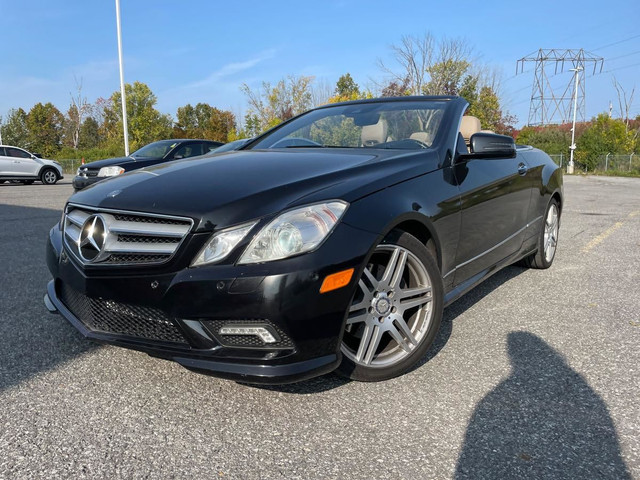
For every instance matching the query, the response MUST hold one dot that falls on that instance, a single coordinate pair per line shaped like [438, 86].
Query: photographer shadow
[544, 421]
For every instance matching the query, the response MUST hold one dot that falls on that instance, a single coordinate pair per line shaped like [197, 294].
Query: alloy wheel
[392, 310]
[551, 233]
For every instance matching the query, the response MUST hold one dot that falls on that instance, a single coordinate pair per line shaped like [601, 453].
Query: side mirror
[491, 145]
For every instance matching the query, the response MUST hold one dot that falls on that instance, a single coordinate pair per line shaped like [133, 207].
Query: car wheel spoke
[395, 334]
[396, 262]
[368, 344]
[372, 280]
[357, 318]
[413, 292]
[406, 330]
[415, 302]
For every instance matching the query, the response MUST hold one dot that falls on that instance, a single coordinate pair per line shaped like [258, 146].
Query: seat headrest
[469, 126]
[424, 137]
[373, 134]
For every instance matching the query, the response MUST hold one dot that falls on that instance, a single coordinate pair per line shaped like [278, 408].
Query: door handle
[522, 169]
[16, 161]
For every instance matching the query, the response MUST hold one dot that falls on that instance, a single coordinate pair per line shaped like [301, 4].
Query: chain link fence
[619, 163]
[629, 163]
[70, 165]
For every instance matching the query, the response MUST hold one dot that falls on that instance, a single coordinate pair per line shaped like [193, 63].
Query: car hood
[235, 187]
[107, 162]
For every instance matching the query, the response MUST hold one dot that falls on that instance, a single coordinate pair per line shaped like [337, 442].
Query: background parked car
[152, 154]
[19, 165]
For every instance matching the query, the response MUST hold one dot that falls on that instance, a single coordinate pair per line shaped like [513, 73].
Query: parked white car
[19, 165]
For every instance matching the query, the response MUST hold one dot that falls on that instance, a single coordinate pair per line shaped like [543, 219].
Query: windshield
[155, 149]
[410, 125]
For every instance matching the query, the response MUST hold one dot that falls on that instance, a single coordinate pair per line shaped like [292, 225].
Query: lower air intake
[113, 317]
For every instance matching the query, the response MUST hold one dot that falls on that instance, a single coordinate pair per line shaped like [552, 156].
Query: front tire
[396, 312]
[49, 176]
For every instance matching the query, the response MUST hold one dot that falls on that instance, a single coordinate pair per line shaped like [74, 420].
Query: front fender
[427, 206]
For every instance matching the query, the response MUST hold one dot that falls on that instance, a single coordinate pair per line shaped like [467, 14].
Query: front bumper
[79, 182]
[176, 313]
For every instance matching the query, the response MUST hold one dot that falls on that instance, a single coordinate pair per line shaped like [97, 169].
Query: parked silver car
[19, 165]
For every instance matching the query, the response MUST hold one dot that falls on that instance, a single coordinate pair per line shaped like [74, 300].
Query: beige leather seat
[374, 134]
[468, 127]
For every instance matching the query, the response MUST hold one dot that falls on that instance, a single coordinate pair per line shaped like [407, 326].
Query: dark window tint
[15, 152]
[2, 154]
[190, 150]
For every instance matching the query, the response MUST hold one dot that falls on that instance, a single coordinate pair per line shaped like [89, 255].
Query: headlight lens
[221, 244]
[294, 232]
[110, 171]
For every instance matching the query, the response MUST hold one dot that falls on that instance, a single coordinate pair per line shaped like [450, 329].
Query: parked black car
[331, 242]
[152, 154]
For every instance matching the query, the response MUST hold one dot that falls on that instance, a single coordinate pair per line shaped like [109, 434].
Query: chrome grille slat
[130, 238]
[77, 217]
[73, 232]
[135, 247]
[151, 229]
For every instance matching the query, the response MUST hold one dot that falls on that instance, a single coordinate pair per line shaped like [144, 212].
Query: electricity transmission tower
[551, 105]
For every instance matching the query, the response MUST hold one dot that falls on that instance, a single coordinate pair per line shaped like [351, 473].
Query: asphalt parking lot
[537, 375]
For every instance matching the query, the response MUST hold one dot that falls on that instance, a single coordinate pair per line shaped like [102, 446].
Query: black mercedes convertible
[331, 242]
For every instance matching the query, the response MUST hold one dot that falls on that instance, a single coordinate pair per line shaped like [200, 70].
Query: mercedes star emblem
[92, 238]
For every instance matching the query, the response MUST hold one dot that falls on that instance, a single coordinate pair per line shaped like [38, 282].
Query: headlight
[294, 232]
[110, 171]
[221, 244]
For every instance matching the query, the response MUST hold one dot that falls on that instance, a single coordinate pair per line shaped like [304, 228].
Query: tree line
[419, 65]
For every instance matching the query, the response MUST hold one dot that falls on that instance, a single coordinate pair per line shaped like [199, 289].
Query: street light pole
[122, 92]
[573, 129]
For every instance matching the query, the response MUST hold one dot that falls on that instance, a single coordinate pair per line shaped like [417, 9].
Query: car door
[5, 162]
[21, 163]
[495, 194]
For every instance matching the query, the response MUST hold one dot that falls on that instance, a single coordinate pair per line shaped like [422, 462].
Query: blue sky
[202, 51]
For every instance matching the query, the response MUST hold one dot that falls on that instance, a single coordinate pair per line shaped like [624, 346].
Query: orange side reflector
[336, 280]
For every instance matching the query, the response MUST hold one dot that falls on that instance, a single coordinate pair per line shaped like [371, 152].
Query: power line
[623, 56]
[615, 43]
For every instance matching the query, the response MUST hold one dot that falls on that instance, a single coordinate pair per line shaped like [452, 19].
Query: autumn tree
[204, 121]
[272, 105]
[347, 89]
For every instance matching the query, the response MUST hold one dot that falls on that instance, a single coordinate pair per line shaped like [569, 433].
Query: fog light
[265, 335]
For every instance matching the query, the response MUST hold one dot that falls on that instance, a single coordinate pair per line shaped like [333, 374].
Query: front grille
[113, 317]
[249, 341]
[122, 238]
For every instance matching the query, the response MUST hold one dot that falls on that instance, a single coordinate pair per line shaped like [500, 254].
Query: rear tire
[396, 312]
[49, 176]
[547, 239]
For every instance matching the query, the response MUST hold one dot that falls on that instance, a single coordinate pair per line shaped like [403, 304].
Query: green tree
[469, 90]
[145, 123]
[604, 135]
[14, 130]
[45, 125]
[89, 134]
[346, 86]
